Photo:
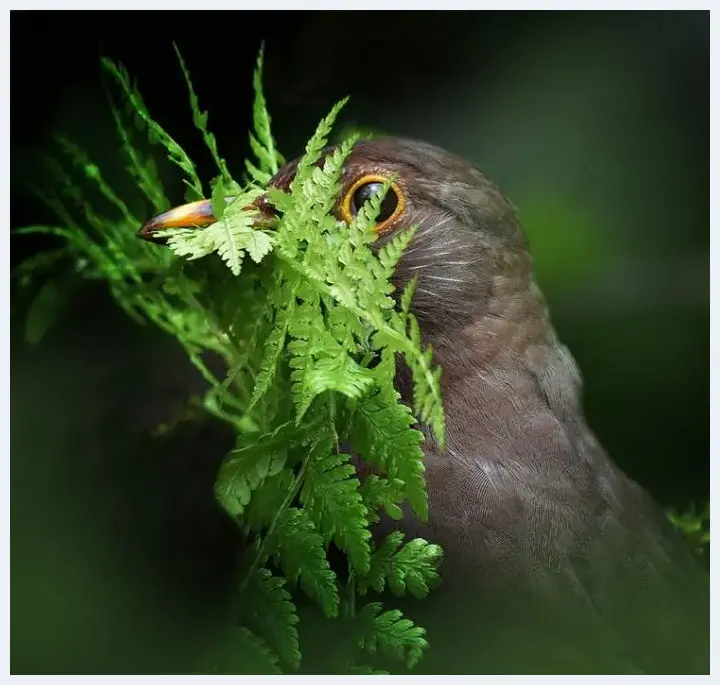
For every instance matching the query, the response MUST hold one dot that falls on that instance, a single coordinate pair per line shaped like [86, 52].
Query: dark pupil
[364, 193]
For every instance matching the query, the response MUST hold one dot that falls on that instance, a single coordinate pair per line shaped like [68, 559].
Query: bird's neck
[504, 364]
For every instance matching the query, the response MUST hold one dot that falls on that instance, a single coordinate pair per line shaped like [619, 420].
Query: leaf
[243, 471]
[411, 568]
[392, 634]
[217, 197]
[381, 435]
[231, 236]
[273, 351]
[175, 153]
[340, 373]
[29, 268]
[301, 554]
[390, 253]
[280, 200]
[262, 143]
[257, 175]
[47, 307]
[268, 610]
[258, 244]
[267, 500]
[200, 120]
[315, 145]
[330, 496]
[141, 167]
[243, 652]
[382, 493]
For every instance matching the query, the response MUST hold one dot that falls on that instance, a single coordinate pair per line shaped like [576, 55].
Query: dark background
[595, 124]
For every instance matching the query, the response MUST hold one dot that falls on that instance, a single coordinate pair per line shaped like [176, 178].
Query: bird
[555, 561]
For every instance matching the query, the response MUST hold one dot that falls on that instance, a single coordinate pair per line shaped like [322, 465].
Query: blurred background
[596, 125]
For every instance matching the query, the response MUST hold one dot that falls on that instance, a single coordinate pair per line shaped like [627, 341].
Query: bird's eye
[363, 190]
[366, 192]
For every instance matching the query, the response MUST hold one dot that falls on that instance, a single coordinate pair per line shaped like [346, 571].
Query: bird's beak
[198, 214]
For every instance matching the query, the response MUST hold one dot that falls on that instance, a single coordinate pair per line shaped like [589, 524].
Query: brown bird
[555, 560]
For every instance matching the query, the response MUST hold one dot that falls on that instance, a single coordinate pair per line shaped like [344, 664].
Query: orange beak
[197, 214]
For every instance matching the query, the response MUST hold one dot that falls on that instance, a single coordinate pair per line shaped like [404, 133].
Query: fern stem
[351, 590]
[260, 556]
[150, 189]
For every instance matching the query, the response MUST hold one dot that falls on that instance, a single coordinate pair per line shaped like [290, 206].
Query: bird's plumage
[543, 534]
[555, 561]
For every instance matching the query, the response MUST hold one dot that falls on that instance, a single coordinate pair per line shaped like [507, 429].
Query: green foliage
[308, 329]
[409, 568]
[331, 496]
[267, 609]
[200, 120]
[262, 142]
[243, 651]
[391, 633]
[380, 434]
[694, 526]
[156, 133]
[231, 236]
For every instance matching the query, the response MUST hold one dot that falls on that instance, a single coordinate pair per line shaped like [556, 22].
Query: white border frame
[330, 4]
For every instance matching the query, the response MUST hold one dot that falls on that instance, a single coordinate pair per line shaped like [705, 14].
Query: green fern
[232, 236]
[268, 610]
[383, 436]
[385, 494]
[332, 499]
[243, 471]
[300, 551]
[409, 568]
[694, 526]
[390, 633]
[157, 134]
[308, 330]
[200, 120]
[261, 141]
[247, 653]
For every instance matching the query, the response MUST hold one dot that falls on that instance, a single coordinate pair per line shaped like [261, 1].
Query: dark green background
[595, 124]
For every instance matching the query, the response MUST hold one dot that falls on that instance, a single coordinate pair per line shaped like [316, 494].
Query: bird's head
[469, 252]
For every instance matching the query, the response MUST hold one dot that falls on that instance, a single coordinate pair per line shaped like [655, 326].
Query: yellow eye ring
[385, 224]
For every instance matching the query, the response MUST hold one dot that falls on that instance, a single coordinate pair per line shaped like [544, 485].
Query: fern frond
[268, 499]
[243, 471]
[284, 299]
[382, 493]
[409, 568]
[261, 141]
[390, 253]
[175, 152]
[300, 550]
[268, 610]
[141, 168]
[254, 656]
[314, 147]
[200, 119]
[330, 496]
[391, 633]
[30, 267]
[382, 435]
[231, 236]
[323, 306]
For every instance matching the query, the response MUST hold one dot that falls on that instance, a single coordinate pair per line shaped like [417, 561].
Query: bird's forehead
[416, 165]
